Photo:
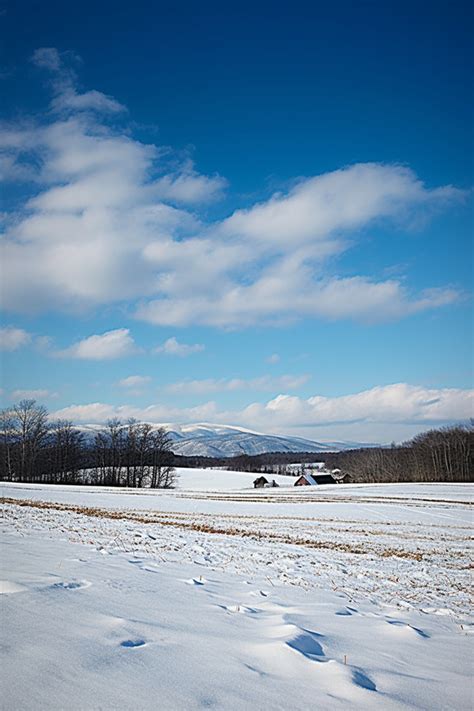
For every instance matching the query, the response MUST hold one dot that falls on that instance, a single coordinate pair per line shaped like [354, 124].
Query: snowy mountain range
[211, 440]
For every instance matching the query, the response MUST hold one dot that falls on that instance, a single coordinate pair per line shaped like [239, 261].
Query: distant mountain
[209, 440]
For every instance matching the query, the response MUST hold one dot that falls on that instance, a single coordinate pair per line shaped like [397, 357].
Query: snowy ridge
[215, 440]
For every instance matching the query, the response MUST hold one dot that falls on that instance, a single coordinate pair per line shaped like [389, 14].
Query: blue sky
[232, 213]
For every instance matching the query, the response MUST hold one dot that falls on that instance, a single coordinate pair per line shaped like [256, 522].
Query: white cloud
[263, 383]
[35, 394]
[189, 187]
[267, 264]
[273, 358]
[319, 208]
[399, 402]
[134, 381]
[98, 412]
[106, 346]
[90, 100]
[12, 338]
[47, 58]
[93, 412]
[172, 347]
[285, 292]
[107, 223]
[63, 82]
[382, 413]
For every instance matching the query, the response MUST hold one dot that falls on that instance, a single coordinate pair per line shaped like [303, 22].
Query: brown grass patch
[167, 519]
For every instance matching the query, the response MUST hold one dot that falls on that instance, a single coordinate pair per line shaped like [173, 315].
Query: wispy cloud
[12, 338]
[105, 346]
[389, 405]
[64, 80]
[271, 263]
[263, 383]
[399, 402]
[32, 394]
[172, 347]
[188, 187]
[134, 381]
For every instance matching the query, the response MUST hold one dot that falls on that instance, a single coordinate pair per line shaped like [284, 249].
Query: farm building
[261, 483]
[314, 480]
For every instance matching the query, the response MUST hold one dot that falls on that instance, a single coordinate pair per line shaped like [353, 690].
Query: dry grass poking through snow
[163, 519]
[410, 544]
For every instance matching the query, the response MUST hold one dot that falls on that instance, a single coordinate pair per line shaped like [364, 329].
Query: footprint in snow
[256, 670]
[132, 643]
[361, 679]
[405, 627]
[71, 585]
[346, 611]
[307, 645]
[151, 568]
[196, 581]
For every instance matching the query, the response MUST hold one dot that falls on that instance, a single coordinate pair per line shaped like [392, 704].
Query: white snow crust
[334, 597]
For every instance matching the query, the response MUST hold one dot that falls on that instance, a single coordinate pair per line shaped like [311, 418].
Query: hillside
[213, 440]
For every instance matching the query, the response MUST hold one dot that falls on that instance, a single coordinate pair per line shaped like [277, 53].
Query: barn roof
[315, 479]
[324, 479]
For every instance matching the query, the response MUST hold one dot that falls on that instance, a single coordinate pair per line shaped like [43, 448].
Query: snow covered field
[219, 596]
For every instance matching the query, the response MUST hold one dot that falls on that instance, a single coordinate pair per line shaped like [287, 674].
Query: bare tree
[162, 473]
[28, 432]
[6, 444]
[139, 455]
[65, 452]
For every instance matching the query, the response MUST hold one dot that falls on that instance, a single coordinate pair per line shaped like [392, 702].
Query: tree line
[444, 454]
[34, 449]
[133, 454]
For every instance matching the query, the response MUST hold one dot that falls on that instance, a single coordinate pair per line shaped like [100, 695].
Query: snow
[222, 480]
[310, 479]
[329, 597]
[213, 440]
